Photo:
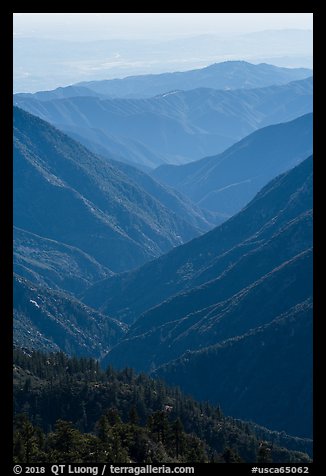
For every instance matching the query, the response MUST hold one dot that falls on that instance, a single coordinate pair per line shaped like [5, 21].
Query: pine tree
[133, 416]
[264, 454]
[102, 429]
[231, 456]
[113, 417]
[177, 429]
[26, 443]
[67, 441]
[159, 425]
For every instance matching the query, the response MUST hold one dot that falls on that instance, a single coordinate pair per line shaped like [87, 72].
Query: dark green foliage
[71, 410]
[27, 444]
[66, 442]
[231, 456]
[177, 429]
[264, 453]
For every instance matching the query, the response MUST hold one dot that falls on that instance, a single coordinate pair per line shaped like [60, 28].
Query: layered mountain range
[288, 197]
[176, 127]
[199, 273]
[79, 218]
[242, 282]
[227, 182]
[225, 75]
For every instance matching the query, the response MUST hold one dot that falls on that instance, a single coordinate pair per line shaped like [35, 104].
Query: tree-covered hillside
[70, 409]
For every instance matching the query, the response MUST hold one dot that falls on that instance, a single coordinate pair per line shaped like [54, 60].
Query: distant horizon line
[161, 38]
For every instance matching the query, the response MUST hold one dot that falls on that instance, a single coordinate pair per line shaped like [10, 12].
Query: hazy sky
[57, 49]
[96, 26]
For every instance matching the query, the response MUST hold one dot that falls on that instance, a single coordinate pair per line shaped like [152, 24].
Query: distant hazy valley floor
[178, 244]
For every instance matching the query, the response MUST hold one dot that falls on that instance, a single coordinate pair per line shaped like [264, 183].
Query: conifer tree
[177, 428]
[133, 416]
